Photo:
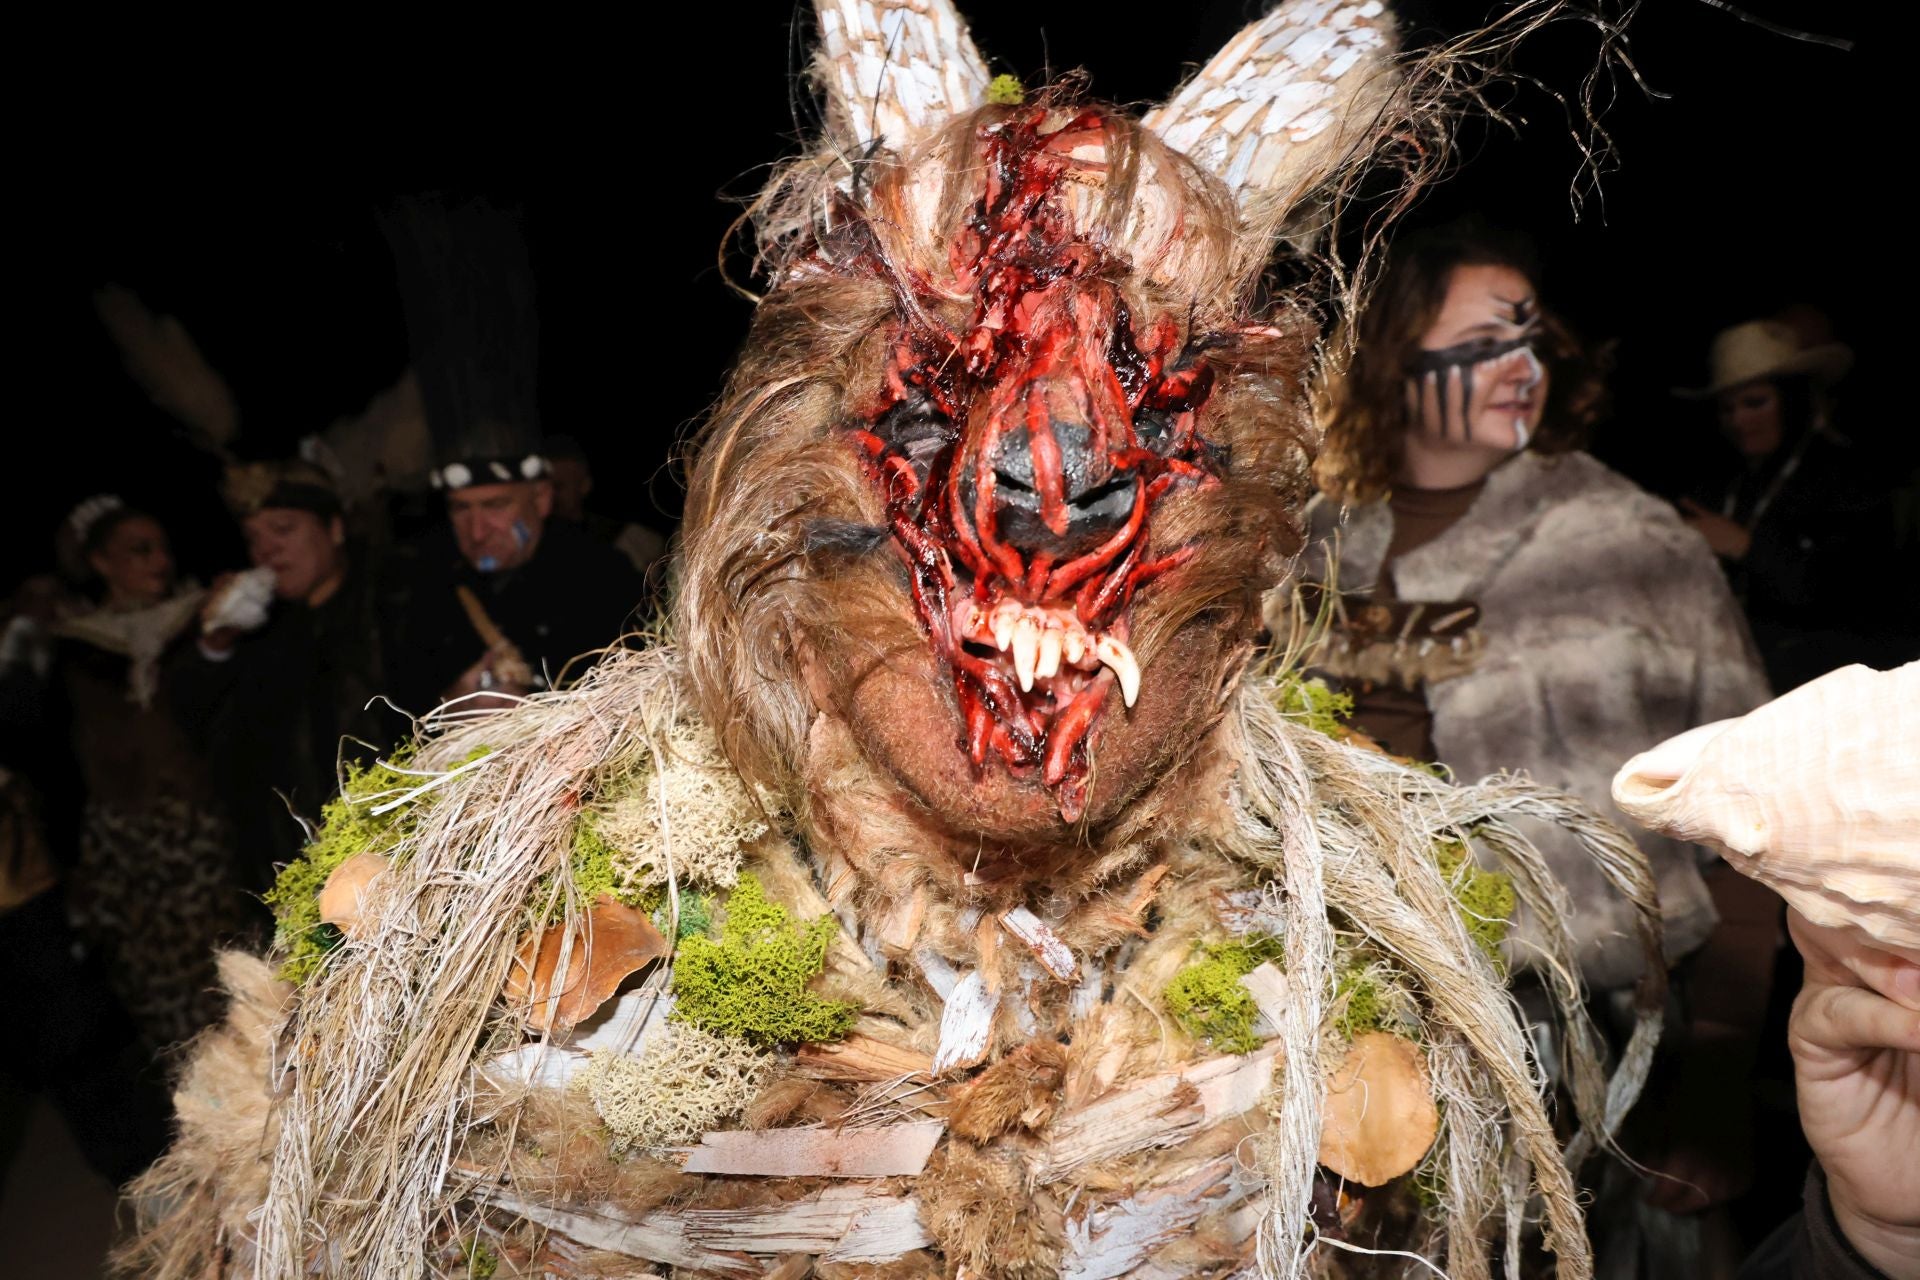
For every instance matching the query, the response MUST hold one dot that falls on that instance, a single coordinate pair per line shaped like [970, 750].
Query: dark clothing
[573, 597]
[277, 717]
[1392, 714]
[68, 1038]
[1810, 1246]
[1817, 583]
[152, 890]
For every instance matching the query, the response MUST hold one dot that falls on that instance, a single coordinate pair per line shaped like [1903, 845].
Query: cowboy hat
[1767, 349]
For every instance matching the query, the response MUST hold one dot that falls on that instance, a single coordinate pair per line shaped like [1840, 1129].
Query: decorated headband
[499, 470]
[87, 513]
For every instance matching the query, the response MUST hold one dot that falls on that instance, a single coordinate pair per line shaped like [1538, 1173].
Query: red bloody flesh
[1051, 340]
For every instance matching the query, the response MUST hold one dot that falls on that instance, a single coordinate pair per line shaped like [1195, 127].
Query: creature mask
[1008, 462]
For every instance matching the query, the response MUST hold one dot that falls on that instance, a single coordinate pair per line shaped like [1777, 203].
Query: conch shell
[1816, 795]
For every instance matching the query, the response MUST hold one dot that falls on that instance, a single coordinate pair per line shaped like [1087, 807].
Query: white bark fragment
[1054, 955]
[896, 1151]
[967, 1025]
[1160, 1111]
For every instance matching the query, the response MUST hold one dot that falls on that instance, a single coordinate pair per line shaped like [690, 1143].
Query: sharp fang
[1116, 655]
[1003, 620]
[1049, 654]
[1026, 650]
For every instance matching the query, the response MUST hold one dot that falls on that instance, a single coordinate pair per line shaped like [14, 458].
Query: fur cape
[1606, 627]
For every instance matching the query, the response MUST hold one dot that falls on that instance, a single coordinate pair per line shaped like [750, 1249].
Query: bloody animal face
[1022, 455]
[1000, 480]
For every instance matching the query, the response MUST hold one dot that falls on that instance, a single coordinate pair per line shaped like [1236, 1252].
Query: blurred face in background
[572, 483]
[498, 525]
[1751, 418]
[306, 551]
[1476, 383]
[135, 562]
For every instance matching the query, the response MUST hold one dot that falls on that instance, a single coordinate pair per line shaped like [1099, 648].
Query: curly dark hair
[1363, 406]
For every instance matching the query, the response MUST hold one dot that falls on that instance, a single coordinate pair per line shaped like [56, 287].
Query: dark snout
[1096, 499]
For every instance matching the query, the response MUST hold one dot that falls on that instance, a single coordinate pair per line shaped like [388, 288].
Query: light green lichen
[1207, 1001]
[753, 980]
[348, 826]
[1006, 91]
[1485, 898]
[1311, 702]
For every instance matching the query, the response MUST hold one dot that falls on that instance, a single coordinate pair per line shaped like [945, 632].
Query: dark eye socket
[916, 428]
[1153, 428]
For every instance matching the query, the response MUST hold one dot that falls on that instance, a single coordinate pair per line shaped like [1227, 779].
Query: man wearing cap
[290, 663]
[504, 604]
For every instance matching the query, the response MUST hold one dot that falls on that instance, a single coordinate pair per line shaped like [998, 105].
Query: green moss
[752, 981]
[1206, 998]
[348, 826]
[482, 1262]
[696, 915]
[1486, 898]
[1357, 1002]
[1312, 702]
[1006, 91]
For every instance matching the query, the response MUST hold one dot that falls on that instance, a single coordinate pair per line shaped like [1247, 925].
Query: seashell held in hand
[1816, 795]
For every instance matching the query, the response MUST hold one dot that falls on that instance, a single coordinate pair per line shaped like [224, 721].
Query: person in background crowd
[513, 601]
[1507, 602]
[1803, 531]
[152, 888]
[280, 695]
[67, 1038]
[571, 473]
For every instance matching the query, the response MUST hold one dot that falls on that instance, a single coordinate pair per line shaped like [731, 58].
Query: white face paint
[1477, 384]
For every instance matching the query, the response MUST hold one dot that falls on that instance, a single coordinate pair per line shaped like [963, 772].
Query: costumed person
[1802, 529]
[952, 891]
[508, 598]
[68, 1038]
[284, 685]
[1817, 797]
[1506, 601]
[152, 891]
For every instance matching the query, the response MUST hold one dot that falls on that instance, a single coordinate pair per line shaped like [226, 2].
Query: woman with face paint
[1503, 601]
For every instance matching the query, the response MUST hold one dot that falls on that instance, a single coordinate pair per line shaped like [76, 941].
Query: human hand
[1728, 538]
[488, 683]
[1855, 1037]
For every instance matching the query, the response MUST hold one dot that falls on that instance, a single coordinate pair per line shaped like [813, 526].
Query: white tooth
[1049, 653]
[1003, 620]
[1026, 650]
[1117, 656]
[1075, 645]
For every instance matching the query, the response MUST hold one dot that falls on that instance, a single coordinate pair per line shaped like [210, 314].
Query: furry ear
[1290, 102]
[895, 70]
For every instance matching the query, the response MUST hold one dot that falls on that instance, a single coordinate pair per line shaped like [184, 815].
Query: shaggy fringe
[1350, 833]
[377, 1131]
[191, 1207]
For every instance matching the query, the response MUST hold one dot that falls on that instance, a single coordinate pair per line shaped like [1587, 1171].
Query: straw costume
[951, 891]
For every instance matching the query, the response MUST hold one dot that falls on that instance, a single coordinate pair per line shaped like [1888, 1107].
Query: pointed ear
[895, 70]
[1289, 103]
